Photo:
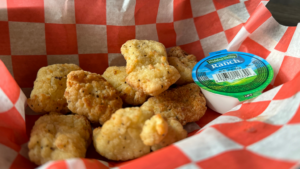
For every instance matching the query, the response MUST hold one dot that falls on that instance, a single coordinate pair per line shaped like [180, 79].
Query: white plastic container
[229, 78]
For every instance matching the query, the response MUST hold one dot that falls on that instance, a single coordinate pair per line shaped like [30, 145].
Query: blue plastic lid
[236, 74]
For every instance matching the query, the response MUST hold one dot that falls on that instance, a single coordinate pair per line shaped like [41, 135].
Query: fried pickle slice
[185, 104]
[56, 137]
[184, 63]
[147, 66]
[175, 133]
[49, 87]
[116, 77]
[119, 138]
[154, 130]
[90, 95]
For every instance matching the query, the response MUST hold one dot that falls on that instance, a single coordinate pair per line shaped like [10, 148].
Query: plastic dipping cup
[229, 78]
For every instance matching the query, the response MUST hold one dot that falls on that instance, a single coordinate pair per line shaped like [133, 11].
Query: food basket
[261, 133]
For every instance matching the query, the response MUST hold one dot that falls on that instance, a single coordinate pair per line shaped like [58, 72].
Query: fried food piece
[57, 137]
[90, 95]
[116, 77]
[154, 130]
[49, 87]
[185, 104]
[119, 138]
[184, 63]
[147, 66]
[175, 133]
[153, 80]
[139, 53]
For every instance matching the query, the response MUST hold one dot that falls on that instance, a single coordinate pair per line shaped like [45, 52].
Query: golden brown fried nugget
[184, 63]
[175, 133]
[57, 137]
[49, 87]
[153, 80]
[154, 130]
[185, 103]
[116, 77]
[147, 66]
[119, 138]
[90, 95]
[139, 53]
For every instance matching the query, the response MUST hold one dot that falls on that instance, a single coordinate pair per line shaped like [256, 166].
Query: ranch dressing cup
[228, 78]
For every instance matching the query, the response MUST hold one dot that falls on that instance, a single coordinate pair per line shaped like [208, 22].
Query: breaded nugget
[175, 133]
[90, 95]
[139, 53]
[57, 137]
[185, 103]
[119, 138]
[153, 80]
[116, 77]
[49, 87]
[154, 130]
[184, 63]
[147, 66]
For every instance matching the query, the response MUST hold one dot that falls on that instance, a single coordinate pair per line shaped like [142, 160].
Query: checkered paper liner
[263, 133]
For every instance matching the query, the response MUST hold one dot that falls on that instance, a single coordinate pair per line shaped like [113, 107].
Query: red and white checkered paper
[263, 133]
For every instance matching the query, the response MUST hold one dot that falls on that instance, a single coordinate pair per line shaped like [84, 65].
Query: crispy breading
[154, 130]
[57, 137]
[185, 103]
[147, 66]
[184, 63]
[49, 87]
[119, 138]
[90, 95]
[153, 81]
[139, 53]
[175, 133]
[116, 77]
